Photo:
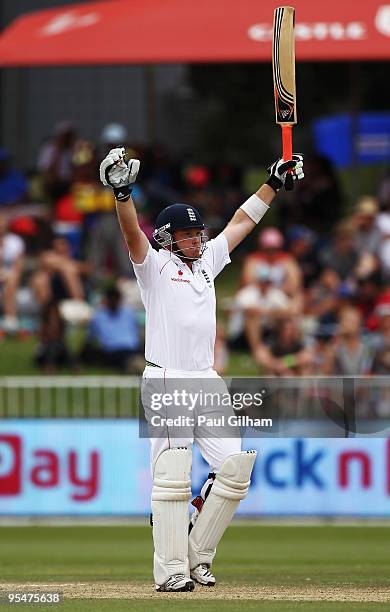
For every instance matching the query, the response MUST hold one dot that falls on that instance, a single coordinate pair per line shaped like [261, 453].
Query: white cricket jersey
[180, 306]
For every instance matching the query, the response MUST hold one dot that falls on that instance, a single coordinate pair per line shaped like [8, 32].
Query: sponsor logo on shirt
[180, 280]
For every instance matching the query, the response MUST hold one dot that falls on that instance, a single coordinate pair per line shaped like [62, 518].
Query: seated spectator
[383, 223]
[380, 302]
[13, 184]
[284, 269]
[286, 354]
[257, 307]
[341, 254]
[301, 242]
[113, 337]
[55, 160]
[264, 305]
[350, 356]
[11, 267]
[322, 297]
[368, 289]
[381, 361]
[322, 350]
[52, 351]
[367, 237]
[381, 356]
[263, 298]
[59, 276]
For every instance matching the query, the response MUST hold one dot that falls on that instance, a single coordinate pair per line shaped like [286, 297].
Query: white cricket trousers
[215, 442]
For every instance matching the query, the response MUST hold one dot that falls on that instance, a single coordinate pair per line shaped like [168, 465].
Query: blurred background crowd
[308, 293]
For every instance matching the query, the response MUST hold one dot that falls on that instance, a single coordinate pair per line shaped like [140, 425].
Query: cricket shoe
[176, 584]
[202, 575]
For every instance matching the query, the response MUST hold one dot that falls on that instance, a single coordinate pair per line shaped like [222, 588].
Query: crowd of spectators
[312, 304]
[314, 290]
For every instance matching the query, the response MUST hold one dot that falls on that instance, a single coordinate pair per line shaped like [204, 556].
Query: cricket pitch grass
[258, 566]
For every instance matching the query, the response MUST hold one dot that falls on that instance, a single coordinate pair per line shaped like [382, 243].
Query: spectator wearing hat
[367, 234]
[285, 272]
[13, 184]
[367, 239]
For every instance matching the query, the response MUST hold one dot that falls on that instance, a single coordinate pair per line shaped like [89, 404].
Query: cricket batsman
[177, 289]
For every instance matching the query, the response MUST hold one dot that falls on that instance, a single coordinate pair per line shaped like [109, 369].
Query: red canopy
[160, 31]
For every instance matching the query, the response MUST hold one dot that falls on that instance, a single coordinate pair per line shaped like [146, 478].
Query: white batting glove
[115, 173]
[278, 172]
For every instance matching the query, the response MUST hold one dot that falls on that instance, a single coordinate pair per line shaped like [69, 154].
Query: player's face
[189, 242]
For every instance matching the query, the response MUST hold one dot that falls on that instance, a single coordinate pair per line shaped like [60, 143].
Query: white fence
[69, 397]
[100, 397]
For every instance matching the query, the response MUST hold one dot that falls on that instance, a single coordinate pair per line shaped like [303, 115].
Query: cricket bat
[283, 67]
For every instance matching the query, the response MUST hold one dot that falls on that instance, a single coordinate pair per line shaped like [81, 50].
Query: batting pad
[230, 487]
[170, 495]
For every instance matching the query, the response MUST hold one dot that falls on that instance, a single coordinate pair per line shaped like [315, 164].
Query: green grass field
[16, 360]
[264, 567]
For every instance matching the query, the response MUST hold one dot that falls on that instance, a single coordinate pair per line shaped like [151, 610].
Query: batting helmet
[178, 217]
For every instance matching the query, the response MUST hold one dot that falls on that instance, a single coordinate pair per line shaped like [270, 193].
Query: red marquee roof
[161, 31]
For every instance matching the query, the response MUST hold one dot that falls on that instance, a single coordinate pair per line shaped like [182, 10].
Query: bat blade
[283, 64]
[283, 68]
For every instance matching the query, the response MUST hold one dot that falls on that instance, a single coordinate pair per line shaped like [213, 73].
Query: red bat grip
[287, 154]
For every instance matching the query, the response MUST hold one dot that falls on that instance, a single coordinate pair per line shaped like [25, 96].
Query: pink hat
[271, 238]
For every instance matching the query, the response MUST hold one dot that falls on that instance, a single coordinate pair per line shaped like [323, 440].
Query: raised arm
[115, 173]
[136, 240]
[242, 222]
[251, 212]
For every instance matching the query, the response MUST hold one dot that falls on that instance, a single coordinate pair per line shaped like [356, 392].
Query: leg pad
[230, 486]
[170, 496]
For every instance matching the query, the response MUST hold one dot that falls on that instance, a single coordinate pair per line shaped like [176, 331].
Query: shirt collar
[167, 255]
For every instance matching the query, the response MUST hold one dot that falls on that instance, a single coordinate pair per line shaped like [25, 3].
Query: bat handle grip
[287, 154]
